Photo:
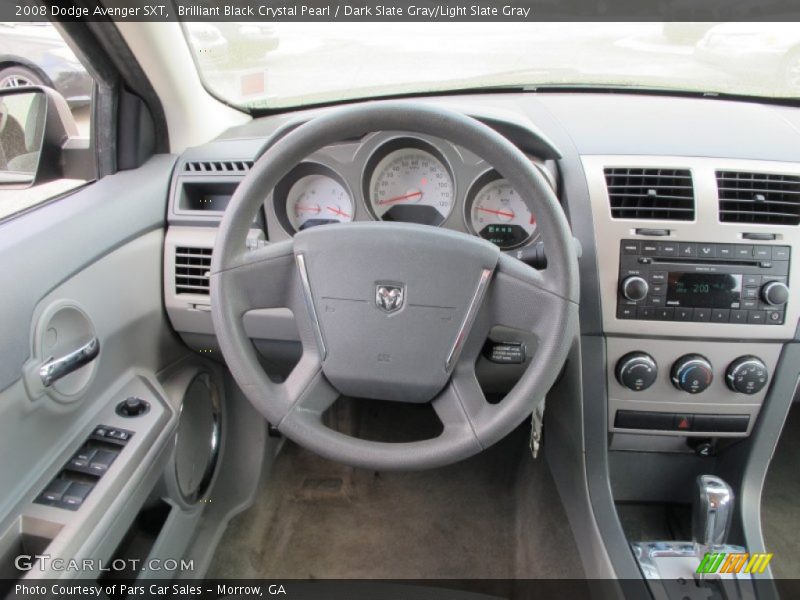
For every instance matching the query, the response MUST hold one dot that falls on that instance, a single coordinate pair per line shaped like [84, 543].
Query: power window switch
[101, 461]
[55, 491]
[76, 494]
[82, 458]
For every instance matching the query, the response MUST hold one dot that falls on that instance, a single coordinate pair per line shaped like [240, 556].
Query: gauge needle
[314, 209]
[501, 213]
[337, 211]
[400, 198]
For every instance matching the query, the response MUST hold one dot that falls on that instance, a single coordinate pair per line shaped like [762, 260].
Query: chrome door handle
[56, 368]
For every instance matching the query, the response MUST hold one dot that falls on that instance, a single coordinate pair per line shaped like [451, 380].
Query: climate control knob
[692, 373]
[634, 288]
[775, 293]
[747, 375]
[636, 371]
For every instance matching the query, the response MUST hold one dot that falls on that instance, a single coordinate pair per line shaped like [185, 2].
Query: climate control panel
[692, 388]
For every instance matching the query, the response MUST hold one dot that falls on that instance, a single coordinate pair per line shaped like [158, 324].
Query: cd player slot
[701, 261]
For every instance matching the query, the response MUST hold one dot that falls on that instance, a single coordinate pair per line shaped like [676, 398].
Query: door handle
[56, 368]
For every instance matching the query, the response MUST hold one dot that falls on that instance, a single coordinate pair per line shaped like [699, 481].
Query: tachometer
[318, 200]
[413, 185]
[499, 214]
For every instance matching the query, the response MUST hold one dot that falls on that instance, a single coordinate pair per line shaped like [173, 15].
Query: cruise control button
[756, 317]
[701, 314]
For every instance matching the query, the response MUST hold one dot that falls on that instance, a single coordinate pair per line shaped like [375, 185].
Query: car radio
[703, 282]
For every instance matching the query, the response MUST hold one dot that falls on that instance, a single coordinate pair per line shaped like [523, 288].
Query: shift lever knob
[712, 511]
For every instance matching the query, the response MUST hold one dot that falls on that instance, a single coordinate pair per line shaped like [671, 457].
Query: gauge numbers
[500, 215]
[411, 185]
[317, 200]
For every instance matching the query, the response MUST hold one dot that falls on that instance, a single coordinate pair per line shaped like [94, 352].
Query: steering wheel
[393, 311]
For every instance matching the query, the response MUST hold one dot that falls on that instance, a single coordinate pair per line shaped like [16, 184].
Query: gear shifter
[712, 511]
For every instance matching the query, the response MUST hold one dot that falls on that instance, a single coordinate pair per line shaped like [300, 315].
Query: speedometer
[413, 185]
[499, 214]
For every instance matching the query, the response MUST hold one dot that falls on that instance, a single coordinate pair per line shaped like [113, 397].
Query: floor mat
[496, 515]
[779, 504]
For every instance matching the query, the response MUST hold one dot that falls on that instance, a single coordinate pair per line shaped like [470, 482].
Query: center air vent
[191, 270]
[217, 167]
[662, 194]
[763, 198]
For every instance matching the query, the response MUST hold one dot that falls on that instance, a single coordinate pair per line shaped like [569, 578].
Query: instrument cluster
[411, 179]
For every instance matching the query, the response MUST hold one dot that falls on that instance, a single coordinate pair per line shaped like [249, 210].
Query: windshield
[277, 65]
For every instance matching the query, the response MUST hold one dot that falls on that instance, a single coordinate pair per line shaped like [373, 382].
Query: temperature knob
[775, 293]
[637, 371]
[747, 375]
[634, 288]
[692, 373]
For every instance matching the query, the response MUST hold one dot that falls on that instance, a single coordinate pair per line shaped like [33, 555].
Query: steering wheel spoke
[260, 277]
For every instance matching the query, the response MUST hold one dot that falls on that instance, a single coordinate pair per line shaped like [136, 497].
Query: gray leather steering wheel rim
[542, 302]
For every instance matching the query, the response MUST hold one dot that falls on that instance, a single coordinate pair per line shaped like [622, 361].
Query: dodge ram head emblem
[389, 296]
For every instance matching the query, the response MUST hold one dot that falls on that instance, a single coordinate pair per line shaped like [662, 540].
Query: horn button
[391, 301]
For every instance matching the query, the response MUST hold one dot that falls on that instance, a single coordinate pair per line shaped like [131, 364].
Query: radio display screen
[704, 290]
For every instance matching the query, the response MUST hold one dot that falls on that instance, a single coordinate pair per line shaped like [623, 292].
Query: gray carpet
[496, 515]
[780, 504]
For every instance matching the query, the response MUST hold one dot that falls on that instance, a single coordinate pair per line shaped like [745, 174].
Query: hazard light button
[683, 422]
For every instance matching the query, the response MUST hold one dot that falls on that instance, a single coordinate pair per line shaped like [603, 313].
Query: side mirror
[35, 126]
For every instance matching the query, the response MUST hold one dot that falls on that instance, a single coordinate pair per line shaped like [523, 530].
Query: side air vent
[763, 198]
[216, 167]
[191, 270]
[663, 194]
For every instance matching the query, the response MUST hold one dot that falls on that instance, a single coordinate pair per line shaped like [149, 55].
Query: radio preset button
[701, 314]
[738, 316]
[720, 315]
[683, 314]
[664, 314]
[687, 250]
[645, 313]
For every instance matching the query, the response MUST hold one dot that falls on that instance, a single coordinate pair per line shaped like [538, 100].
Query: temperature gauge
[499, 214]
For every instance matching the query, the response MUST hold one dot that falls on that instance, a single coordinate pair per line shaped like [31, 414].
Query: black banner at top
[400, 10]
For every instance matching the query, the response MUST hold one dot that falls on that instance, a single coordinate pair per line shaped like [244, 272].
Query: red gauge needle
[501, 213]
[337, 211]
[314, 209]
[400, 198]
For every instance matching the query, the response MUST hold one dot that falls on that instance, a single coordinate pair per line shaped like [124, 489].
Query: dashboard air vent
[218, 167]
[638, 193]
[191, 270]
[764, 198]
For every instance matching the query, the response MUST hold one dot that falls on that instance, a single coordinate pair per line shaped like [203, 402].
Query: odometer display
[499, 214]
[413, 186]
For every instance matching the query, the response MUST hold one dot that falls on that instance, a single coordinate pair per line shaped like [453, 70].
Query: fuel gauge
[499, 214]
